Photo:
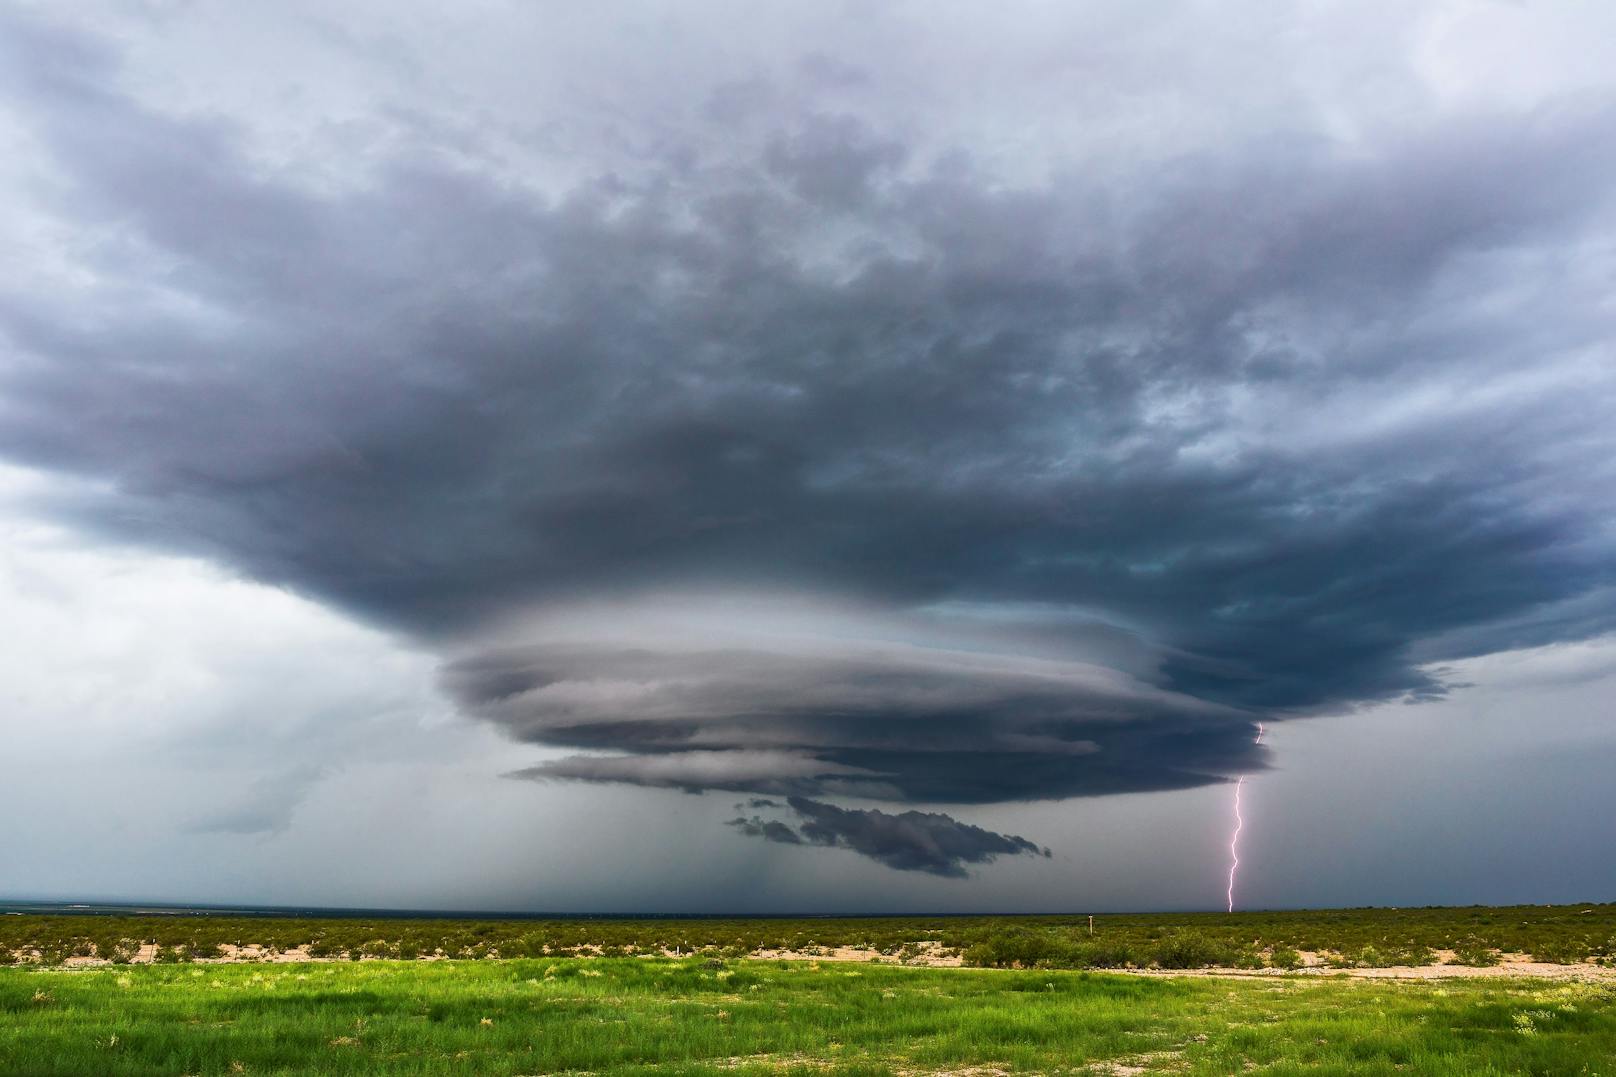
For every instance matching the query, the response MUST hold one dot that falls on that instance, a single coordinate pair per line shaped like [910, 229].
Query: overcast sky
[709, 457]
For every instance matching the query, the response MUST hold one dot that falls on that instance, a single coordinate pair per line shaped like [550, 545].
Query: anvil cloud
[773, 410]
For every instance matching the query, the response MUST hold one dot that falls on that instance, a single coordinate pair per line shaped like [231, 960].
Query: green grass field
[702, 1015]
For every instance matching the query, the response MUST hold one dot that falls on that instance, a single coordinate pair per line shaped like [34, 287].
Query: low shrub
[1103, 955]
[1189, 950]
[1474, 951]
[1017, 948]
[1368, 957]
[1417, 955]
[1562, 951]
[1283, 957]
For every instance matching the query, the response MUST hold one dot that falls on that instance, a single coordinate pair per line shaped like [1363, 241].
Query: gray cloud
[908, 841]
[266, 806]
[767, 829]
[880, 721]
[1119, 453]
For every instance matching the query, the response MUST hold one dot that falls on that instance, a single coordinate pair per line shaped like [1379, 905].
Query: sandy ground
[229, 955]
[1504, 969]
[1313, 965]
[932, 955]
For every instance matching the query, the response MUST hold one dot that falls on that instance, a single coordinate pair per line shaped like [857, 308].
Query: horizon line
[46, 907]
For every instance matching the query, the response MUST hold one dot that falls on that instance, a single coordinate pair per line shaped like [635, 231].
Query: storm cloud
[879, 721]
[782, 435]
[909, 841]
[767, 829]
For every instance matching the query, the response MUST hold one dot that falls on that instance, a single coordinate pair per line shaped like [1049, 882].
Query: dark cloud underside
[891, 723]
[908, 841]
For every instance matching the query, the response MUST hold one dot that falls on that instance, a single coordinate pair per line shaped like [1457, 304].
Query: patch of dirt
[1508, 968]
[1313, 964]
[774, 1062]
[1160, 1062]
[932, 954]
[922, 954]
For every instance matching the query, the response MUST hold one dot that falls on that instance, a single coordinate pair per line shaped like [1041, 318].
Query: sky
[711, 457]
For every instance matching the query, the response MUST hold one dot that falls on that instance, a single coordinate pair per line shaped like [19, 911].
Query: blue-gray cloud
[929, 842]
[1263, 429]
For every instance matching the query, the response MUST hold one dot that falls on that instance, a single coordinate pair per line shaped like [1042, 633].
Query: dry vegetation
[1346, 938]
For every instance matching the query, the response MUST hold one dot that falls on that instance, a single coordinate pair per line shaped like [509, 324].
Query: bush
[1017, 948]
[1474, 951]
[1418, 955]
[1189, 950]
[1562, 951]
[1283, 957]
[1367, 957]
[1102, 955]
[980, 956]
[1248, 958]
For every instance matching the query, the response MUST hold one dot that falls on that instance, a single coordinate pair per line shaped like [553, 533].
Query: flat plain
[698, 1015]
[220, 995]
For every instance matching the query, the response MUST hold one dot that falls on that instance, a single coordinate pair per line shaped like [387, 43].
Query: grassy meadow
[154, 994]
[708, 1015]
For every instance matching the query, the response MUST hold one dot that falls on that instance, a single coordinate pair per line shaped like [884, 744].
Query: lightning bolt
[1239, 825]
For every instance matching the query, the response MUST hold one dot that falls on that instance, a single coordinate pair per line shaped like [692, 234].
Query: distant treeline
[1343, 937]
